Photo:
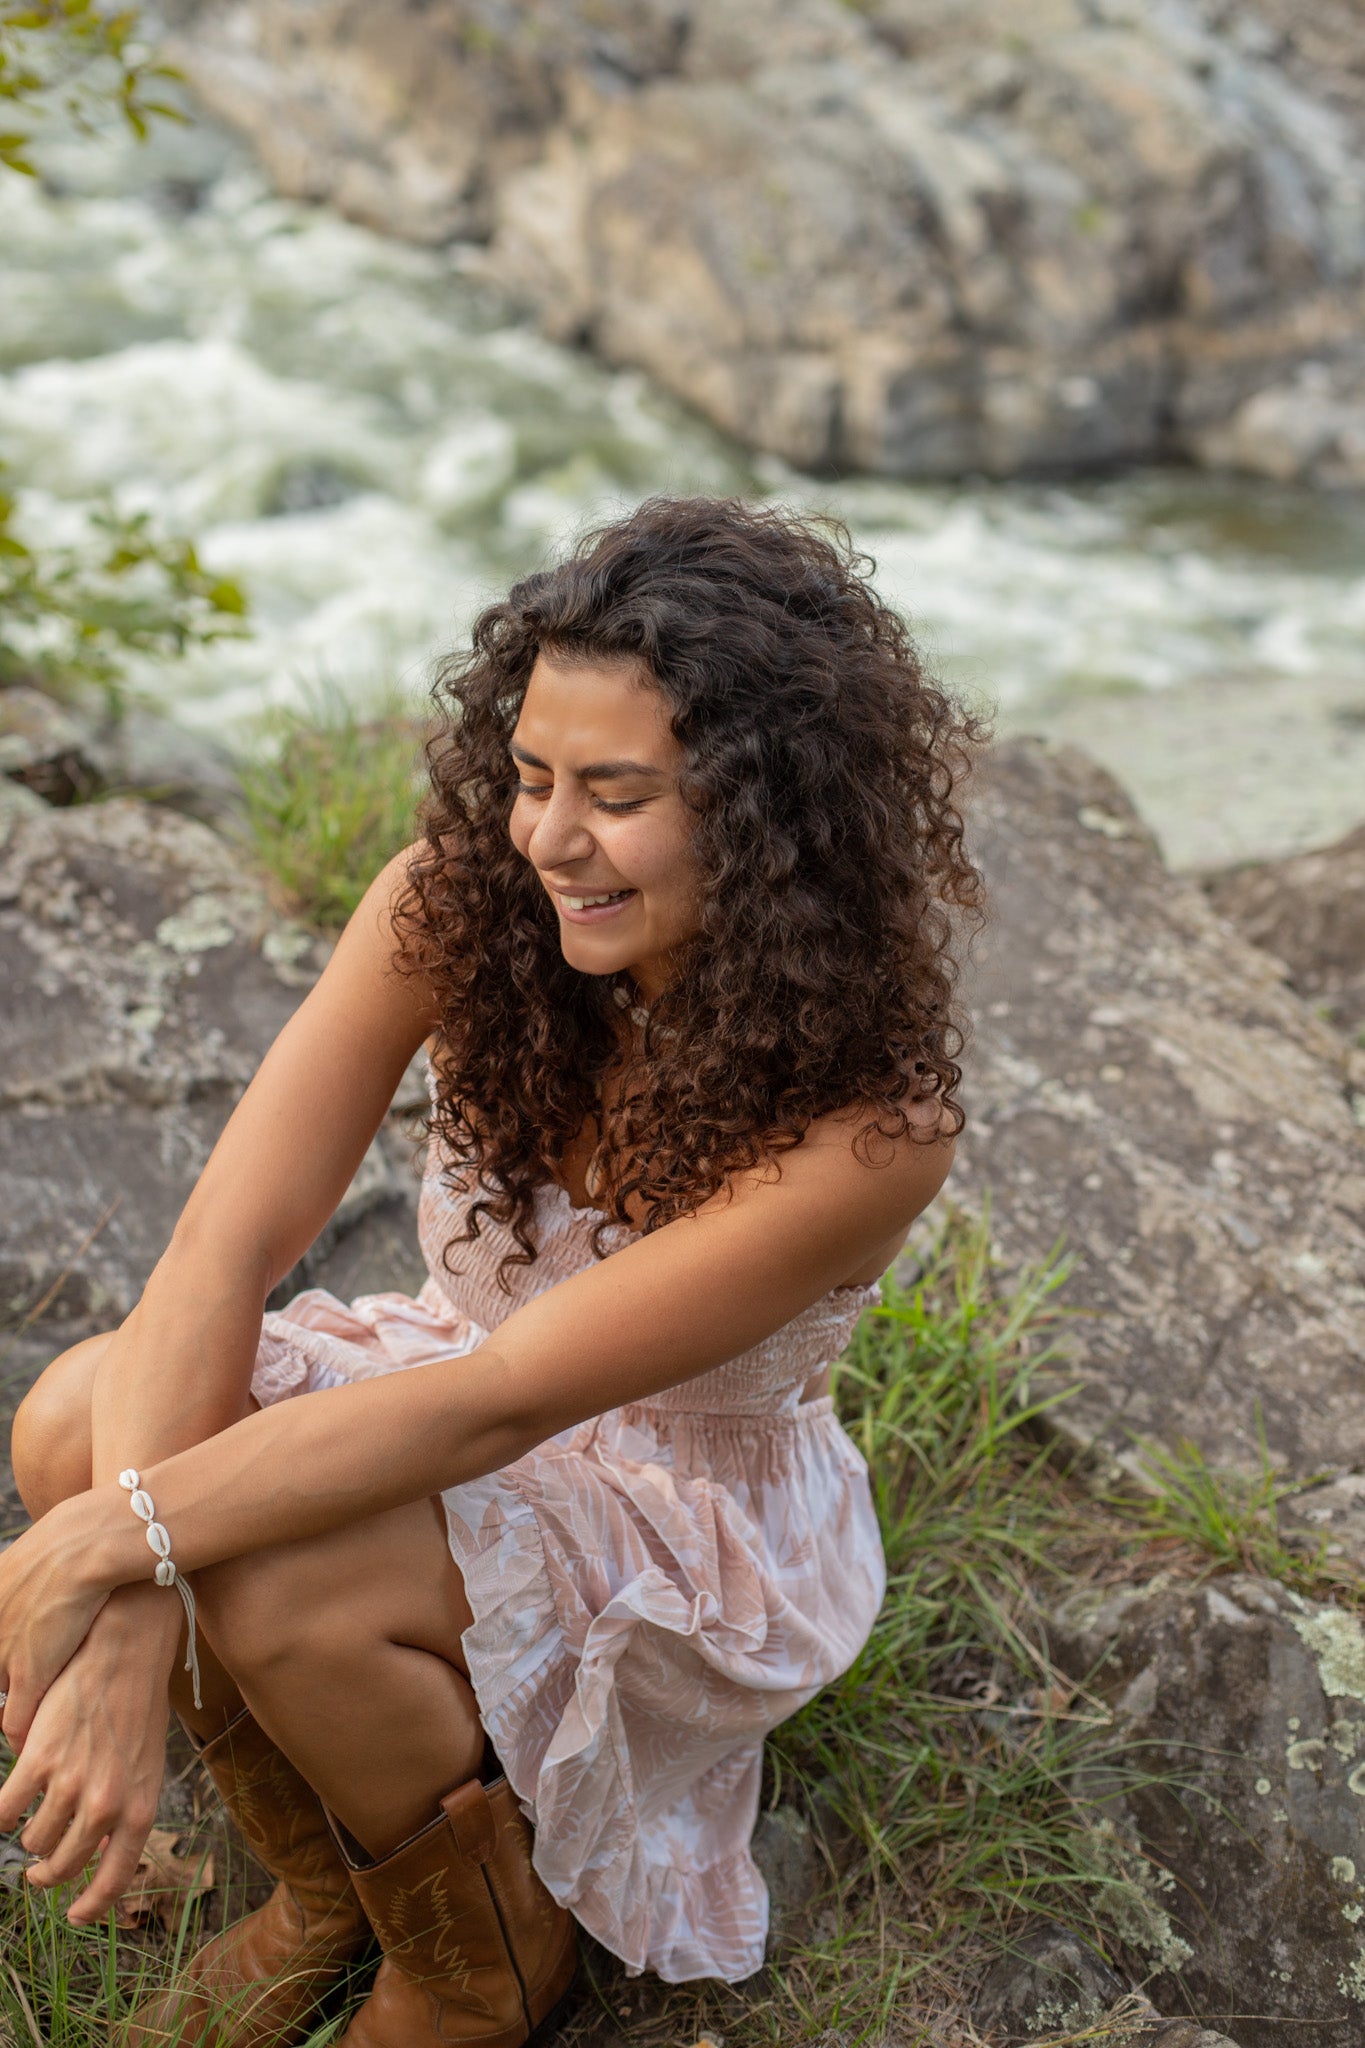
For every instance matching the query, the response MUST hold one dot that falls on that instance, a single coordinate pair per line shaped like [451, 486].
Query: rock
[1308, 910]
[1239, 1735]
[898, 235]
[1051, 1980]
[787, 1851]
[144, 753]
[1144, 1087]
[16, 801]
[145, 977]
[1173, 2034]
[43, 745]
[69, 754]
[1186, 2034]
[1052, 1983]
[1310, 426]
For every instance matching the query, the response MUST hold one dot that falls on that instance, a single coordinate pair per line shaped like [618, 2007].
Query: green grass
[939, 1767]
[331, 793]
[939, 1774]
[1231, 1519]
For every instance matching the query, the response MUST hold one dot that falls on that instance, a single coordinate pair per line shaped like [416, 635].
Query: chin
[591, 959]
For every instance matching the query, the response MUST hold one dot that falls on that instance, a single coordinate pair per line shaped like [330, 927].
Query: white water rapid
[354, 430]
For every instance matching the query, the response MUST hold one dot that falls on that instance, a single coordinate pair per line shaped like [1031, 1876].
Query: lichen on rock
[1337, 1640]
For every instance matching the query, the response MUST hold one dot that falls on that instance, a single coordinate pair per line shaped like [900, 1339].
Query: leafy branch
[69, 616]
[70, 58]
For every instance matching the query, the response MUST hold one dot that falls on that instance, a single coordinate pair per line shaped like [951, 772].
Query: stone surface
[903, 235]
[17, 801]
[157, 757]
[144, 980]
[1145, 1087]
[787, 1851]
[42, 745]
[1249, 1702]
[68, 754]
[1049, 1982]
[1052, 1984]
[1309, 910]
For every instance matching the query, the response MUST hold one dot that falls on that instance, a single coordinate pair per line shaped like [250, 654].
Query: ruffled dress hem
[547, 1712]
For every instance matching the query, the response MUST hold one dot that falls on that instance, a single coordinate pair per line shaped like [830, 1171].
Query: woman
[559, 1540]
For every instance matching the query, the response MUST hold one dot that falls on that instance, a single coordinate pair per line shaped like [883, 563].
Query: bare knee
[278, 1629]
[324, 1603]
[50, 1440]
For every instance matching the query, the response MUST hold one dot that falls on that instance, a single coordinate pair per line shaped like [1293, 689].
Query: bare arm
[88, 1687]
[657, 1312]
[178, 1369]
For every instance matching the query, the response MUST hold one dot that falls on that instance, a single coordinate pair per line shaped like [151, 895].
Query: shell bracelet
[166, 1573]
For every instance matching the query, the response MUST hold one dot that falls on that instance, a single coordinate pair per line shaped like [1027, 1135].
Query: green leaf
[226, 596]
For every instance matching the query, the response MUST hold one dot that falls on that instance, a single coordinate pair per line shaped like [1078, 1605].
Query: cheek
[661, 865]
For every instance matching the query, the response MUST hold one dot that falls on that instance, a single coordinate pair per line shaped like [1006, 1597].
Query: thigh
[51, 1433]
[388, 1577]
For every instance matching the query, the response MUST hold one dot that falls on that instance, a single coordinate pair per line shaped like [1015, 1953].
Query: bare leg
[347, 1650]
[346, 1647]
[50, 1451]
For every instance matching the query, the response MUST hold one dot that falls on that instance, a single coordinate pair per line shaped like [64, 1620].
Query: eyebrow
[596, 771]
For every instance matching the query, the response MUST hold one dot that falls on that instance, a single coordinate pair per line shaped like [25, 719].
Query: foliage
[940, 1774]
[1230, 1519]
[70, 616]
[331, 795]
[71, 60]
[942, 1761]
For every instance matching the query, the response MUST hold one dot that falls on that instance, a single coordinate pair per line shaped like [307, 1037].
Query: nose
[561, 832]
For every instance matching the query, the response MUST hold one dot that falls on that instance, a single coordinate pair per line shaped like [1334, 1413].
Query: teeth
[585, 902]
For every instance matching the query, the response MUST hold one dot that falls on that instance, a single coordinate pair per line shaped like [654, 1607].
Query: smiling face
[599, 816]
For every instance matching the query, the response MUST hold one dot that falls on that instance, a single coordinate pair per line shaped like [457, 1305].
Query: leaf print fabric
[653, 1591]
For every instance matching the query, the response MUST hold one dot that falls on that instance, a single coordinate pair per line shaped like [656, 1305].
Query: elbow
[212, 1262]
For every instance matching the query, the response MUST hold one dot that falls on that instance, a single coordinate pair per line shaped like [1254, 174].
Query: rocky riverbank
[1144, 1083]
[900, 236]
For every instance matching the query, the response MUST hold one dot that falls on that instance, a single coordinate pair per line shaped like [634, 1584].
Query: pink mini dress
[652, 1590]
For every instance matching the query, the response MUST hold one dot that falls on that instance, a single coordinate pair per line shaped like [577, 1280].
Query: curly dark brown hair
[822, 767]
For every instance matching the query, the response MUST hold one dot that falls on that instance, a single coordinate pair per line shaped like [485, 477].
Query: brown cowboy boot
[476, 1952]
[257, 1983]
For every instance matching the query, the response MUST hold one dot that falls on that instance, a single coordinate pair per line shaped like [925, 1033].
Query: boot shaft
[279, 1814]
[476, 1951]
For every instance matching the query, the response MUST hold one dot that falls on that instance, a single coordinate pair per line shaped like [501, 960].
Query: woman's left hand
[50, 1592]
[95, 1755]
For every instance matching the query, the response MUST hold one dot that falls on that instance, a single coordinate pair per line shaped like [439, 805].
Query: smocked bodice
[764, 1380]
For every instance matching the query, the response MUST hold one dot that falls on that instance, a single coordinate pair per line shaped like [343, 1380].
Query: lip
[597, 913]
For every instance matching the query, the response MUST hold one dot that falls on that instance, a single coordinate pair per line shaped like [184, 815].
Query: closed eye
[599, 803]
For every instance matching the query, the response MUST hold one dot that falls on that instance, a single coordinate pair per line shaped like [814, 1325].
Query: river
[359, 432]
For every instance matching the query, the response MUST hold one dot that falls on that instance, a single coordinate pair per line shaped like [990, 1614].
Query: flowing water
[358, 432]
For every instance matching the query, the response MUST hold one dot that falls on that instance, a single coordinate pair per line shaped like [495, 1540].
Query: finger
[120, 1859]
[77, 1847]
[49, 1823]
[17, 1794]
[20, 1708]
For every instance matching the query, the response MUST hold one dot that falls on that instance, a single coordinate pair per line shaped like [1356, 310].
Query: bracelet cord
[165, 1574]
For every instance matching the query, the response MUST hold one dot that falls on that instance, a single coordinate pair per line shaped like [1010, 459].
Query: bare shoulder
[855, 1162]
[370, 992]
